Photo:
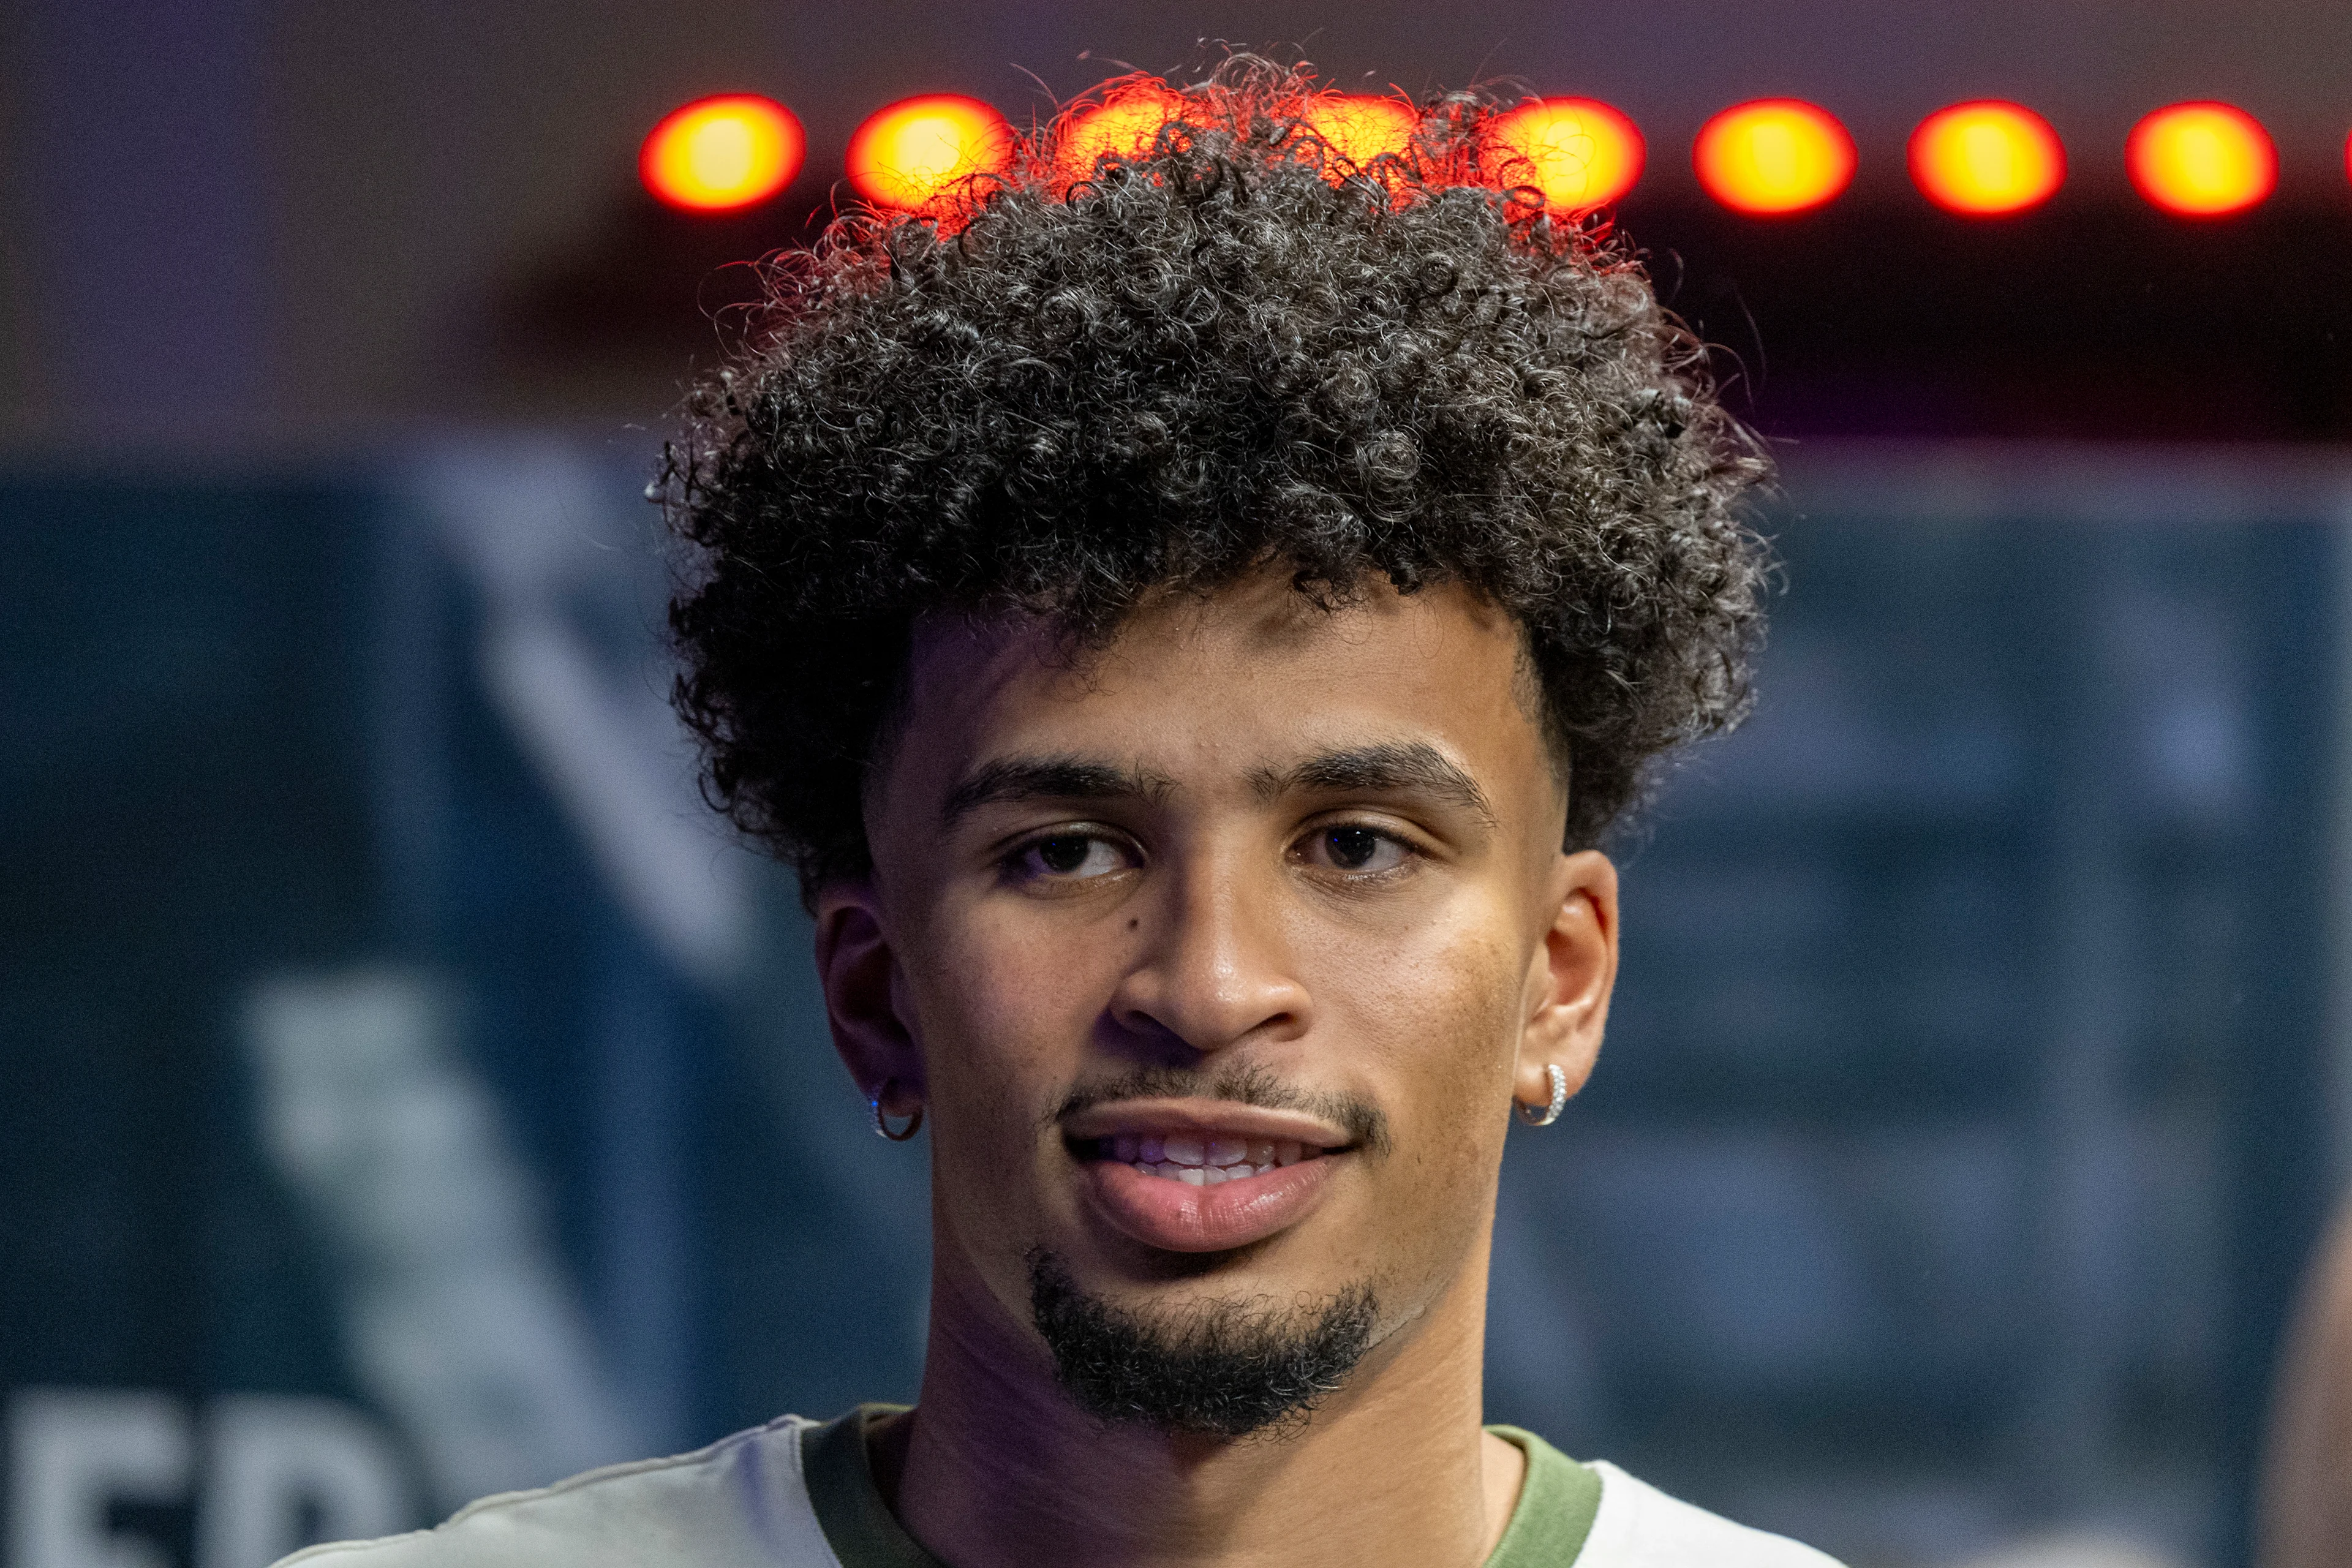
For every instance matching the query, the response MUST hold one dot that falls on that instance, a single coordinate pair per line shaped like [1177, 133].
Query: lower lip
[1178, 1217]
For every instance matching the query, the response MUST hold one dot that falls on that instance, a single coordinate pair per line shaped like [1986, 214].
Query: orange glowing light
[1123, 125]
[720, 153]
[1987, 157]
[2201, 160]
[1360, 128]
[1773, 155]
[919, 152]
[1580, 152]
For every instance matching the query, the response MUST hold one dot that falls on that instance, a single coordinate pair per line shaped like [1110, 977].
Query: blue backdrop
[414, 1093]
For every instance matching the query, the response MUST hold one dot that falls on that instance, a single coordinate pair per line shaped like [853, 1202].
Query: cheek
[1436, 1015]
[1002, 1018]
[1438, 991]
[1017, 995]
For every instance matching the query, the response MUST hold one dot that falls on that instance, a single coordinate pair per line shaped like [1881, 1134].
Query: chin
[1223, 1364]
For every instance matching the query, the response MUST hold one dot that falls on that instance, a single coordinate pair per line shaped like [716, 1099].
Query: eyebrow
[1394, 767]
[1010, 779]
[1388, 768]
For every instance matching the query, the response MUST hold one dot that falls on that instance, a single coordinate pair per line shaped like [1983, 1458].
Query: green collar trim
[1557, 1501]
[857, 1525]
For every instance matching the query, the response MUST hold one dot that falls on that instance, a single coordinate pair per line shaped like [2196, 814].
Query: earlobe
[858, 968]
[1570, 980]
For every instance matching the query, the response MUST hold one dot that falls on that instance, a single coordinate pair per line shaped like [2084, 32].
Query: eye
[1068, 857]
[1362, 851]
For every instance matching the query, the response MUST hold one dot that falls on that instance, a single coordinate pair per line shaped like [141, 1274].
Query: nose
[1214, 969]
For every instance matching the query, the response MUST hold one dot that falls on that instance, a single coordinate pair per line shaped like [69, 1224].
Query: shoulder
[740, 1499]
[1638, 1526]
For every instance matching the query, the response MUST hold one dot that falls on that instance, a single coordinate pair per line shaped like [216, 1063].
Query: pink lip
[1209, 1118]
[1177, 1217]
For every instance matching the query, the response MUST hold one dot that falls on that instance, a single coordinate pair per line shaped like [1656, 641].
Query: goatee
[1218, 1368]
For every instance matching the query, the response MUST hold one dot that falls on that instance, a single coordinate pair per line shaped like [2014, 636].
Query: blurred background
[410, 1092]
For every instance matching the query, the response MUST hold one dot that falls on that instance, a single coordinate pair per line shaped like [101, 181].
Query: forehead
[1204, 689]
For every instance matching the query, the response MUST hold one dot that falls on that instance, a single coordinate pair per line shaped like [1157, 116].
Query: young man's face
[1216, 960]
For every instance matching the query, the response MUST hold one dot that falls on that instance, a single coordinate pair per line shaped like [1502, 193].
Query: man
[1189, 620]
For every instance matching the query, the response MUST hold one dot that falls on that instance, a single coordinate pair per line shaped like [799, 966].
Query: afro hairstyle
[1164, 359]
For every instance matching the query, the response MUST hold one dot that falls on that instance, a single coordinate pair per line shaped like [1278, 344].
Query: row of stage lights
[1770, 156]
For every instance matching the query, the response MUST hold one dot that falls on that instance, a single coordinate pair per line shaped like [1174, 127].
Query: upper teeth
[1204, 1161]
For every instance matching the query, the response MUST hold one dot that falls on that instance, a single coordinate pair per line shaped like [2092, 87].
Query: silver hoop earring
[882, 1118]
[1549, 1113]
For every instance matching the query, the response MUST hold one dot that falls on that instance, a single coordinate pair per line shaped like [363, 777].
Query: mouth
[1185, 1175]
[1200, 1161]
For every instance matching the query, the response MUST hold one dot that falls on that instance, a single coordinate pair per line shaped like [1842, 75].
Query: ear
[1569, 978]
[860, 972]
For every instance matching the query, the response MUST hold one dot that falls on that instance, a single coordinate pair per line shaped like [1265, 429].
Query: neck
[997, 1469]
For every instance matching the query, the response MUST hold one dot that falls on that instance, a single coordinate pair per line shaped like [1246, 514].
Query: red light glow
[918, 154]
[720, 154]
[1122, 126]
[1986, 158]
[1773, 155]
[2201, 160]
[1360, 128]
[1580, 152]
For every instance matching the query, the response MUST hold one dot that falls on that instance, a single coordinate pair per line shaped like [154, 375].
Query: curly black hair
[1063, 389]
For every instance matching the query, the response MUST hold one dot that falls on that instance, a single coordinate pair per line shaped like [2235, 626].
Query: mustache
[1243, 1084]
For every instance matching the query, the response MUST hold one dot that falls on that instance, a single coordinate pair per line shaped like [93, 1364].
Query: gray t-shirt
[798, 1494]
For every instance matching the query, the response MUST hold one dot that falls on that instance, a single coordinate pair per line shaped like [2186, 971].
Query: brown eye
[1360, 850]
[1064, 856]
[1068, 857]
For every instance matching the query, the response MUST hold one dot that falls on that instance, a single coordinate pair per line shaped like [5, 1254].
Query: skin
[1207, 905]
